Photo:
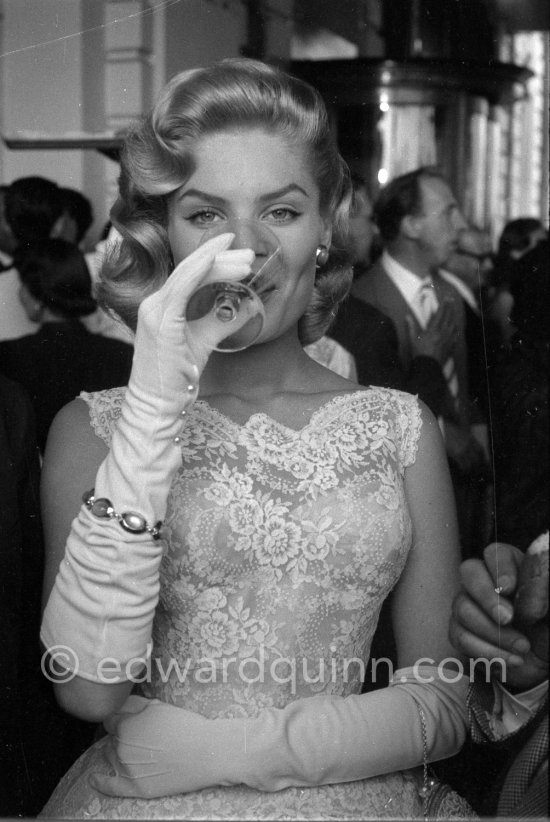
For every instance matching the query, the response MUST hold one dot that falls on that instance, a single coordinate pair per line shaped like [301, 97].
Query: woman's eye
[283, 215]
[203, 217]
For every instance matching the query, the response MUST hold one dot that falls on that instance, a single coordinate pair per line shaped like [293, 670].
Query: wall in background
[71, 66]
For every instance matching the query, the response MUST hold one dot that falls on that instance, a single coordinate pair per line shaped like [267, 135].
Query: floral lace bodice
[281, 546]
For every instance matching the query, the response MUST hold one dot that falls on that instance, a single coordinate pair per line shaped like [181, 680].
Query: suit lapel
[384, 294]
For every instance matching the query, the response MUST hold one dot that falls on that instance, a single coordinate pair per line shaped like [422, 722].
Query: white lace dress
[281, 547]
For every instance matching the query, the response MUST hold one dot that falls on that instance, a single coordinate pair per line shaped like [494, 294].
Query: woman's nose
[249, 234]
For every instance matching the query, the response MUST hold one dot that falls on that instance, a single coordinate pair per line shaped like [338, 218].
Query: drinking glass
[226, 302]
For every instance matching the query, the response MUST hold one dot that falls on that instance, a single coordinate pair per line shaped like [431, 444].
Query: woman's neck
[277, 378]
[260, 370]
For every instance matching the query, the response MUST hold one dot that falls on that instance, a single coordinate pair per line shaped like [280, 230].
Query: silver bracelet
[430, 785]
[130, 521]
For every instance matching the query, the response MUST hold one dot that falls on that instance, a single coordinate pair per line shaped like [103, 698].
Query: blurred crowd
[434, 309]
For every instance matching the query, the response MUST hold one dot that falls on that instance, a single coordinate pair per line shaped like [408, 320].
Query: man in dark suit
[419, 221]
[370, 335]
[467, 272]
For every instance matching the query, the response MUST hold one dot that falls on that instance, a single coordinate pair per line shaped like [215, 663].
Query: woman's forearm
[314, 741]
[104, 597]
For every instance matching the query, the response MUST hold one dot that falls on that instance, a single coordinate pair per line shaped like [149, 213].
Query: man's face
[439, 222]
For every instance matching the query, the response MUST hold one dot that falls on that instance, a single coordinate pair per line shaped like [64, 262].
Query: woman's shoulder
[387, 400]
[74, 449]
[398, 411]
[89, 418]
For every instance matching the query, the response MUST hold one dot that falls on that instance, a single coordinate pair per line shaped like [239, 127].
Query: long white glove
[106, 591]
[158, 749]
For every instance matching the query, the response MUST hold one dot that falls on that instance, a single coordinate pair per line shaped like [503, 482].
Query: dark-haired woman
[62, 358]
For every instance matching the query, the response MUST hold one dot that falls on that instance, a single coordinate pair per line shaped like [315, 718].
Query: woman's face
[255, 176]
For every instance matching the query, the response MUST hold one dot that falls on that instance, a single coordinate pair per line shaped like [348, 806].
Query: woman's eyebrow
[201, 195]
[271, 195]
[282, 192]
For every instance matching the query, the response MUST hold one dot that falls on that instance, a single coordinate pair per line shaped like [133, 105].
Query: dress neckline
[262, 417]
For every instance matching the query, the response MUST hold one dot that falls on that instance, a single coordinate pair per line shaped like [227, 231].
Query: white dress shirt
[411, 287]
[419, 294]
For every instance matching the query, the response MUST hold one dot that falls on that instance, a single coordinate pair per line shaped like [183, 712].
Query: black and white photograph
[274, 435]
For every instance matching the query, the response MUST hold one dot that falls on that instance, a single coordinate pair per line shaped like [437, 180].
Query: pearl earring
[321, 256]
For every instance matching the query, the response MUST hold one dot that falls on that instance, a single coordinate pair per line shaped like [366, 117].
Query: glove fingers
[230, 265]
[113, 785]
[169, 301]
[212, 331]
[187, 275]
[234, 264]
[163, 311]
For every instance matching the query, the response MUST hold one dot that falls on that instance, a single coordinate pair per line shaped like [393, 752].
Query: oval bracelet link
[129, 521]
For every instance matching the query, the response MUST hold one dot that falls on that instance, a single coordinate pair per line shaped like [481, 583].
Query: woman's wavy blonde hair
[157, 159]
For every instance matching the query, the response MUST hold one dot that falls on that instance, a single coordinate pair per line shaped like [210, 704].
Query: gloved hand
[106, 590]
[158, 749]
[164, 381]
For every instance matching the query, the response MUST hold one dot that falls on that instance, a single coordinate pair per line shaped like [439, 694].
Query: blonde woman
[219, 587]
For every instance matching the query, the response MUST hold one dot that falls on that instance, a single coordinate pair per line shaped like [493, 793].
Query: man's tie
[427, 302]
[427, 307]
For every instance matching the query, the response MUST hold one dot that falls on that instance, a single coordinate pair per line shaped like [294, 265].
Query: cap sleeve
[105, 408]
[408, 417]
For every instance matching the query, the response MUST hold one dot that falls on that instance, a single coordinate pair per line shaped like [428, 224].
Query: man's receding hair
[400, 197]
